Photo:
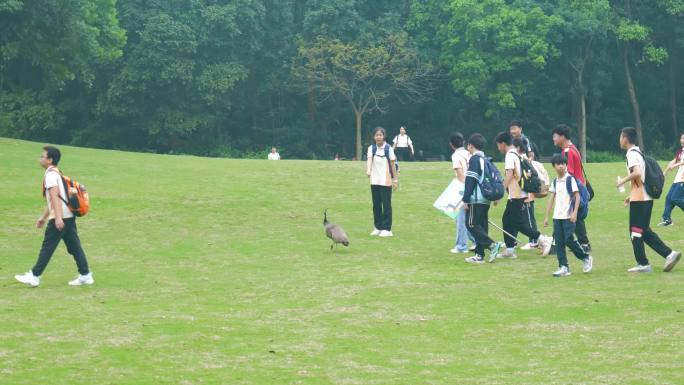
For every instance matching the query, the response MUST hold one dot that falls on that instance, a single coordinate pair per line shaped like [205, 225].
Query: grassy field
[214, 271]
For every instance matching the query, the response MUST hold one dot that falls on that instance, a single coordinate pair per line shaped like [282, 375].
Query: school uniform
[563, 228]
[516, 215]
[675, 197]
[477, 216]
[53, 236]
[381, 186]
[404, 147]
[459, 161]
[640, 209]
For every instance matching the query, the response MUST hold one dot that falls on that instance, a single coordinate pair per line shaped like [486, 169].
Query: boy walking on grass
[61, 225]
[564, 198]
[640, 209]
[476, 205]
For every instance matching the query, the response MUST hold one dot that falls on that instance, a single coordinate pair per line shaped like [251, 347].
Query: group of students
[569, 193]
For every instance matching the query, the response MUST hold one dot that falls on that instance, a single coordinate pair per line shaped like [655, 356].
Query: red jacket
[574, 162]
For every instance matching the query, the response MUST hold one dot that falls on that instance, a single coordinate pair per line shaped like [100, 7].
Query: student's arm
[395, 180]
[509, 178]
[575, 209]
[369, 162]
[549, 206]
[56, 205]
[472, 177]
[459, 174]
[43, 217]
[634, 174]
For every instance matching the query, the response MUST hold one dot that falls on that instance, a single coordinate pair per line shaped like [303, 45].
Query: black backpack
[529, 178]
[491, 185]
[654, 182]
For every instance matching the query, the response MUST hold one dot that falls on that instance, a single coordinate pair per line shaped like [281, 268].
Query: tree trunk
[359, 116]
[581, 111]
[673, 97]
[632, 95]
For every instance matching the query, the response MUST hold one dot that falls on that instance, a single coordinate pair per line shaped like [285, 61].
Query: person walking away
[61, 225]
[382, 172]
[565, 201]
[459, 162]
[675, 197]
[640, 208]
[273, 155]
[403, 146]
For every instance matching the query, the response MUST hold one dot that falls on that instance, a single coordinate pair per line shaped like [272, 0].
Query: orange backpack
[77, 201]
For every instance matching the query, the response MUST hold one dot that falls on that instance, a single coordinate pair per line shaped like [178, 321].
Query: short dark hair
[53, 154]
[504, 137]
[558, 159]
[456, 139]
[521, 143]
[515, 122]
[478, 141]
[630, 133]
[562, 130]
[378, 128]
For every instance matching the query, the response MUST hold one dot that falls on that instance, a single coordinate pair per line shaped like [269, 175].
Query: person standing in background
[273, 155]
[403, 146]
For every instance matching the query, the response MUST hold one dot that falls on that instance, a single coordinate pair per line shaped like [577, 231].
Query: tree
[364, 76]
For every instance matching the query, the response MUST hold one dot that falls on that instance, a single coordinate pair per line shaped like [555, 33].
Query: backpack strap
[389, 163]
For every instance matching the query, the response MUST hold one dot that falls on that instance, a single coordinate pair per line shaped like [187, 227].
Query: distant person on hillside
[640, 208]
[676, 195]
[403, 146]
[273, 155]
[561, 138]
[382, 172]
[565, 203]
[459, 163]
[61, 225]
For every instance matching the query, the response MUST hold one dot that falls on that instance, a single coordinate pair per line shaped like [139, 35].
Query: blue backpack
[491, 185]
[386, 148]
[583, 210]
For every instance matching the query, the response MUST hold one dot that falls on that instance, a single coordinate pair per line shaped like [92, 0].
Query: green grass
[214, 271]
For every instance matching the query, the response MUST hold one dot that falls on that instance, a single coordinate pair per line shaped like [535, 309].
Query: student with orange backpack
[66, 199]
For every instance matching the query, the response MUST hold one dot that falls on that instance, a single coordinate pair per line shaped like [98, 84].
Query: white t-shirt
[380, 168]
[53, 179]
[512, 162]
[273, 156]
[680, 171]
[638, 192]
[561, 210]
[459, 159]
[402, 141]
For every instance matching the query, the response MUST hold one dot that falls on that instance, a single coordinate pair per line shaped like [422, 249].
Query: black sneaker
[586, 248]
[665, 223]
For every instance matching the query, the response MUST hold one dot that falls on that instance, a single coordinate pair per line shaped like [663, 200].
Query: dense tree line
[233, 77]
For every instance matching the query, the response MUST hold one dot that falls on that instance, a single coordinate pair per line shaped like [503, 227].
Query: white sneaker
[375, 232]
[545, 245]
[28, 278]
[82, 280]
[508, 254]
[563, 271]
[456, 250]
[477, 259]
[672, 260]
[529, 246]
[588, 264]
[495, 250]
[641, 269]
[385, 233]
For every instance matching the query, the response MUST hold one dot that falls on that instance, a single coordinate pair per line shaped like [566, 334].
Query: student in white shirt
[273, 155]
[565, 202]
[640, 208]
[61, 225]
[382, 172]
[459, 162]
[516, 211]
[675, 197]
[403, 146]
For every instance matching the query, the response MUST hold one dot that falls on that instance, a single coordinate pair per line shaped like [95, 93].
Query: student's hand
[627, 200]
[395, 185]
[368, 173]
[546, 222]
[59, 224]
[466, 207]
[620, 183]
[495, 203]
[40, 223]
[573, 218]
